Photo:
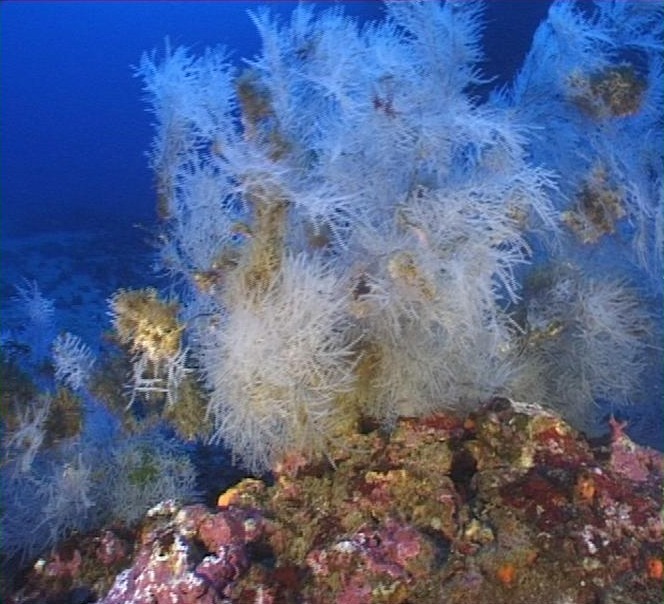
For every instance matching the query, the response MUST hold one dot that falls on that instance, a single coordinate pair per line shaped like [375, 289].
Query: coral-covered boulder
[509, 504]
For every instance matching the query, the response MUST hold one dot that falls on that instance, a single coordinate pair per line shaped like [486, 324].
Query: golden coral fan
[146, 323]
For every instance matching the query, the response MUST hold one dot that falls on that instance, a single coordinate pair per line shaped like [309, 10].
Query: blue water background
[74, 127]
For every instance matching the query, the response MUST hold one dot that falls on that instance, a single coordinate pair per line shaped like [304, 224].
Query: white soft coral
[276, 363]
[73, 360]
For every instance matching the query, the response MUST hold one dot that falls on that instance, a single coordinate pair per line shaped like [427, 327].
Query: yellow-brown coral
[402, 266]
[147, 324]
[615, 91]
[599, 205]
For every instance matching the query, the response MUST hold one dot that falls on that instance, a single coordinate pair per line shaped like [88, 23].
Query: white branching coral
[346, 215]
[143, 471]
[36, 308]
[587, 341]
[69, 497]
[277, 364]
[37, 315]
[25, 439]
[73, 361]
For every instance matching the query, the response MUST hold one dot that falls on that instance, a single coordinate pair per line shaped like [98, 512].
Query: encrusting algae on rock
[507, 505]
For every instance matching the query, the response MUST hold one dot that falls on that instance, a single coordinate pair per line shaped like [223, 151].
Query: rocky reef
[508, 504]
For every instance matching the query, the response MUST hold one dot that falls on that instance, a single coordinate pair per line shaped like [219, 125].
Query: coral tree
[348, 224]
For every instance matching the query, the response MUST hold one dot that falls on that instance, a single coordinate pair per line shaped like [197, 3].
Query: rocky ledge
[506, 505]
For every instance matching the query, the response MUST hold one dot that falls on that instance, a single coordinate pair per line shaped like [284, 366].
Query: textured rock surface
[507, 505]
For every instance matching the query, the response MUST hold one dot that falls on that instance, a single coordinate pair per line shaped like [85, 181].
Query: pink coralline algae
[508, 504]
[112, 549]
[375, 560]
[64, 564]
[636, 463]
[169, 565]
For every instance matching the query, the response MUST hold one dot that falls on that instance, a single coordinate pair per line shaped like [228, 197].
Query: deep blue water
[74, 128]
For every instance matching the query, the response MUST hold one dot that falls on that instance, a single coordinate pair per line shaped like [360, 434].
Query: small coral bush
[71, 489]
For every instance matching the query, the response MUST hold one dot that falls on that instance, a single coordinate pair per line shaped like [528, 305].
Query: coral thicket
[349, 225]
